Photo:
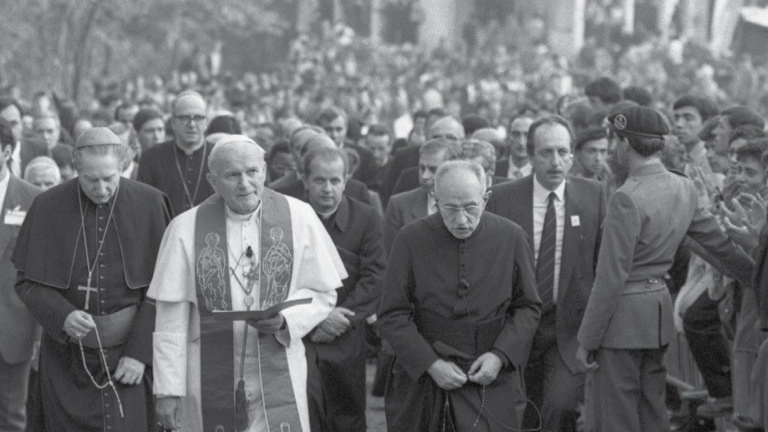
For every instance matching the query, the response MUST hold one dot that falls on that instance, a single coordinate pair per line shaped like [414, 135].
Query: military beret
[639, 121]
[144, 115]
[97, 136]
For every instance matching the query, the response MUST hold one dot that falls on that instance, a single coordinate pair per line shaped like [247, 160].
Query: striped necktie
[545, 263]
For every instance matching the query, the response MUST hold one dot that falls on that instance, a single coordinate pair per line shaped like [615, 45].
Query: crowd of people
[515, 243]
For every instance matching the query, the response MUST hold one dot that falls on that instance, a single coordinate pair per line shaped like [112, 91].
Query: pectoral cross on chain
[88, 290]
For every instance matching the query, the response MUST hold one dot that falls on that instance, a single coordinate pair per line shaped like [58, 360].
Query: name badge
[575, 221]
[14, 217]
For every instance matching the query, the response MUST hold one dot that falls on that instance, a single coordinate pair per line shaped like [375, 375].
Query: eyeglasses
[187, 119]
[453, 212]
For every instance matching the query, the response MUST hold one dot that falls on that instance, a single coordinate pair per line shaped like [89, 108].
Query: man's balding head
[460, 191]
[446, 127]
[189, 120]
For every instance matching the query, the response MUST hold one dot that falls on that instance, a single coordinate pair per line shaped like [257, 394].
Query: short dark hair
[122, 106]
[746, 132]
[553, 119]
[62, 155]
[419, 114]
[753, 149]
[644, 146]
[5, 102]
[224, 124]
[740, 115]
[6, 134]
[605, 89]
[327, 154]
[638, 94]
[144, 115]
[279, 147]
[707, 129]
[379, 130]
[591, 133]
[473, 122]
[705, 106]
[330, 114]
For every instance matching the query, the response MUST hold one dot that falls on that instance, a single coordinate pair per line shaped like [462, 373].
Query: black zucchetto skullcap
[639, 121]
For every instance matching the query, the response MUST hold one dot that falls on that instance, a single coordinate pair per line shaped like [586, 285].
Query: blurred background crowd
[394, 67]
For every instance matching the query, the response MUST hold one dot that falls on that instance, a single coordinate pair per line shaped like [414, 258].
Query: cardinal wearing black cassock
[52, 281]
[451, 299]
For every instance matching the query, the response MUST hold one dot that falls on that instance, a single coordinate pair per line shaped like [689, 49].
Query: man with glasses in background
[179, 167]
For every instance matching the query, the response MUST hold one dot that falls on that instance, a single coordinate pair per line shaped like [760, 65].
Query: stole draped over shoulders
[317, 272]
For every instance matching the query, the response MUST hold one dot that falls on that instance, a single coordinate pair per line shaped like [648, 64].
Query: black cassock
[456, 300]
[52, 280]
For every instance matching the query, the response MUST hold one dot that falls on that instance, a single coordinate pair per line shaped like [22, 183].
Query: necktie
[545, 264]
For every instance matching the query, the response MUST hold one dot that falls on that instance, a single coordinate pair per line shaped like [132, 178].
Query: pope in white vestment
[316, 271]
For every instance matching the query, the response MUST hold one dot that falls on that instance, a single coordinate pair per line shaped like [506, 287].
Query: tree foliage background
[63, 45]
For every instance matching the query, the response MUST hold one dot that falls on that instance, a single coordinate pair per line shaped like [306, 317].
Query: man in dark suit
[337, 345]
[17, 325]
[552, 378]
[517, 165]
[335, 123]
[445, 127]
[294, 187]
[406, 207]
[25, 148]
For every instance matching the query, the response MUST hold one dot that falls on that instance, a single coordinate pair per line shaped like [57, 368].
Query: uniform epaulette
[680, 173]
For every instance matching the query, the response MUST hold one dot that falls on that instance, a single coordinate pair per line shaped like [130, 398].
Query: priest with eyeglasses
[459, 307]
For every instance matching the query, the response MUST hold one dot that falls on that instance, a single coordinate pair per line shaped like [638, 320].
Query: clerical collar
[242, 217]
[189, 152]
[110, 201]
[338, 216]
[328, 215]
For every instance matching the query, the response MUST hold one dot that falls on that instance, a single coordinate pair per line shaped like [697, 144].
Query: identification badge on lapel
[575, 221]
[14, 216]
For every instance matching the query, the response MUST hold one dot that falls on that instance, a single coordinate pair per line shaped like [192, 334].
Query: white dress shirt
[431, 204]
[16, 160]
[3, 189]
[516, 173]
[540, 199]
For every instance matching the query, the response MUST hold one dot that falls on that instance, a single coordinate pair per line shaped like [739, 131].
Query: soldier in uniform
[628, 320]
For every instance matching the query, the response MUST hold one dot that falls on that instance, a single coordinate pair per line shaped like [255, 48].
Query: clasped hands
[448, 376]
[336, 324]
[79, 323]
